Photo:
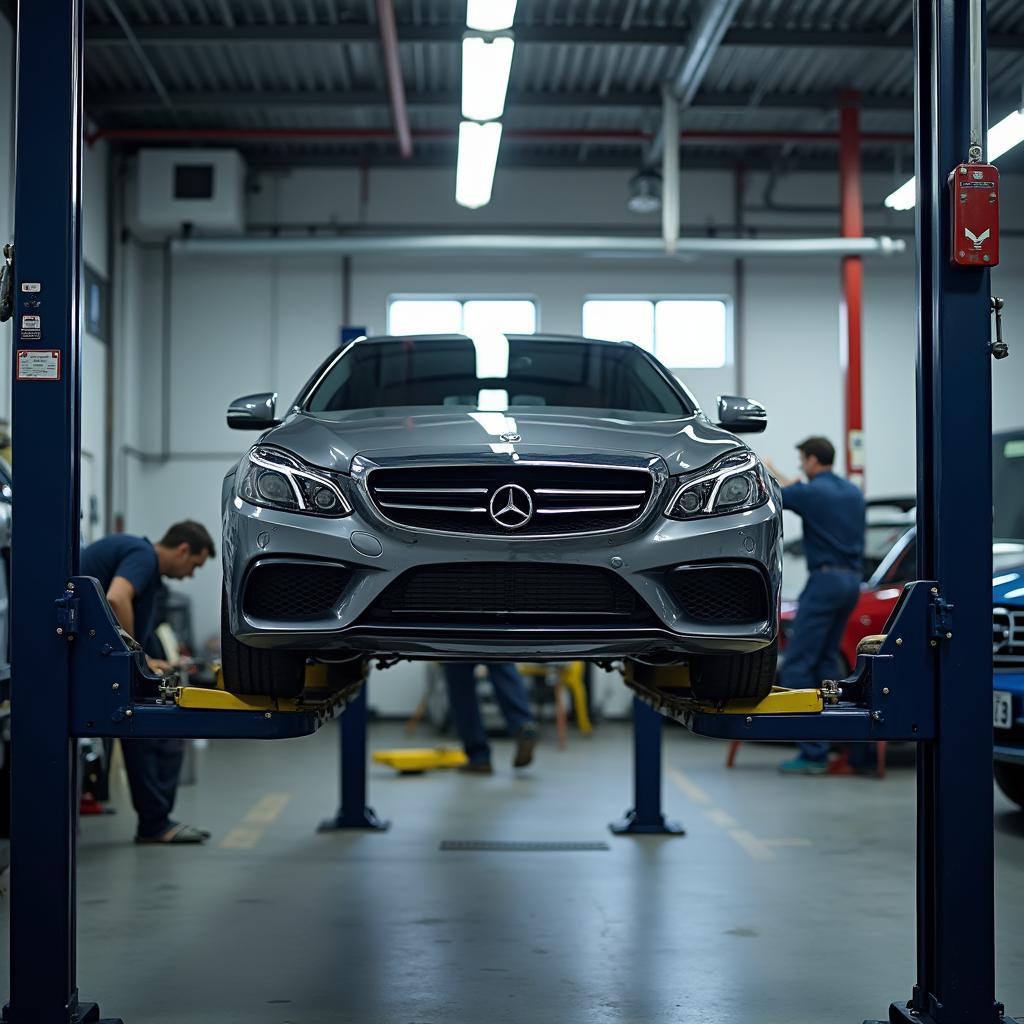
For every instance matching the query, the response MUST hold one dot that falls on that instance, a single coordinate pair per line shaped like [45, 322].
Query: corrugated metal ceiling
[580, 66]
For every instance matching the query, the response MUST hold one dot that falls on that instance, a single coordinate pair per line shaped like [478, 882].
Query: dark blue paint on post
[956, 975]
[46, 519]
[646, 818]
[353, 812]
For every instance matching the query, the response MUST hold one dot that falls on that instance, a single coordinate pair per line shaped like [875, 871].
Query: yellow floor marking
[263, 813]
[691, 789]
[241, 839]
[267, 811]
[721, 818]
[751, 844]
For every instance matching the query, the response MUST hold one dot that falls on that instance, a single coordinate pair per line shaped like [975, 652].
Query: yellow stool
[569, 675]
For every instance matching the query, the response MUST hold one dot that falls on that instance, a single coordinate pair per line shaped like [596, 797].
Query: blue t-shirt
[135, 559]
[833, 513]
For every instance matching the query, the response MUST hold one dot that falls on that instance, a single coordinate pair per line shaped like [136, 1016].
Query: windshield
[494, 375]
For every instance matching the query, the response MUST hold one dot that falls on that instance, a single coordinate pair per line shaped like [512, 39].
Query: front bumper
[639, 555]
[1009, 743]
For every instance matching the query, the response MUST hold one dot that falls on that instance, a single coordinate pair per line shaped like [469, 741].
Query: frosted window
[690, 333]
[620, 320]
[499, 316]
[425, 316]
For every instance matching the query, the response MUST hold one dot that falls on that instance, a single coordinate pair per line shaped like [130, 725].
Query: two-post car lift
[74, 673]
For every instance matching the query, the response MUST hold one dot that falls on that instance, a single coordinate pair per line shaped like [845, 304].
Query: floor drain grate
[490, 845]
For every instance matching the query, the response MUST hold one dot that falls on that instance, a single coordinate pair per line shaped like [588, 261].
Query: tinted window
[494, 374]
[1008, 486]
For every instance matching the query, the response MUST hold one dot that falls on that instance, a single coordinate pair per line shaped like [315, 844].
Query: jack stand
[646, 819]
[353, 813]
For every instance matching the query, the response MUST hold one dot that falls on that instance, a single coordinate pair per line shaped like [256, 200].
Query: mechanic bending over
[129, 570]
[832, 511]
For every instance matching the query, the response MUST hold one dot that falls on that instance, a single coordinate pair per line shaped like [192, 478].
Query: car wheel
[256, 671]
[1010, 778]
[717, 678]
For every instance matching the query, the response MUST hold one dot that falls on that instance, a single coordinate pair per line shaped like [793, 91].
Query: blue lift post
[353, 812]
[645, 817]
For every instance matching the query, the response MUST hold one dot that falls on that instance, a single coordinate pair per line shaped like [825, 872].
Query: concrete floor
[789, 900]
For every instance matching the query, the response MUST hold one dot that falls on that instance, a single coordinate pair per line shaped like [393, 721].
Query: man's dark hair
[820, 447]
[191, 533]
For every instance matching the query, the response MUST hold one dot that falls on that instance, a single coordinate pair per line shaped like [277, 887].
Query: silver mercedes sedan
[508, 498]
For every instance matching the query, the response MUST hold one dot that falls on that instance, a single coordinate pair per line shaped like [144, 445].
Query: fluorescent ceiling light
[1001, 137]
[485, 71]
[490, 15]
[478, 156]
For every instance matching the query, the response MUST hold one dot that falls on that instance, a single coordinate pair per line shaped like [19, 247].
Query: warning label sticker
[31, 328]
[31, 286]
[38, 364]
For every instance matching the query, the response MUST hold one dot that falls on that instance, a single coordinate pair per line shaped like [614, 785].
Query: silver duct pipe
[607, 246]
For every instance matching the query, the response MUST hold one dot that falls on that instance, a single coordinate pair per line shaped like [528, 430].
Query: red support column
[851, 304]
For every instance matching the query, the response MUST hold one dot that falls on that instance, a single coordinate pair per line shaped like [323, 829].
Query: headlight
[732, 484]
[274, 479]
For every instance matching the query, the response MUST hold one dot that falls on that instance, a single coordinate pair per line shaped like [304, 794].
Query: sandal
[177, 834]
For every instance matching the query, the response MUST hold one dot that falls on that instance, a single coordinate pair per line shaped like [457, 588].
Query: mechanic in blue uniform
[129, 570]
[510, 691]
[832, 510]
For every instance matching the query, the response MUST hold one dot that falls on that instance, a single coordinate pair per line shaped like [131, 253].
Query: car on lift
[504, 498]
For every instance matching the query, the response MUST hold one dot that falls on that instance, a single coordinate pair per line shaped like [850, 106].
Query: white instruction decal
[38, 364]
[31, 286]
[31, 328]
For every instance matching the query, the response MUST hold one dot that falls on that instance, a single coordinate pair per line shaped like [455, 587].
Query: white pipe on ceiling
[608, 246]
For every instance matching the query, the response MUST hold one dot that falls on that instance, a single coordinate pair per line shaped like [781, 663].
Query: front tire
[1010, 778]
[257, 671]
[719, 678]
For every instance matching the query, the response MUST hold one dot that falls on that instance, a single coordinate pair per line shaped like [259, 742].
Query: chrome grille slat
[564, 499]
[1007, 637]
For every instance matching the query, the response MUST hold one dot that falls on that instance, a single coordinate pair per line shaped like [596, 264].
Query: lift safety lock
[974, 194]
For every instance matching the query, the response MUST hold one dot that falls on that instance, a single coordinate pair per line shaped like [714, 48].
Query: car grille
[559, 499]
[294, 591]
[1008, 638]
[723, 594]
[509, 593]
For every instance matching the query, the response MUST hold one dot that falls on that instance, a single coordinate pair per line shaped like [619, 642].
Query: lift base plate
[630, 825]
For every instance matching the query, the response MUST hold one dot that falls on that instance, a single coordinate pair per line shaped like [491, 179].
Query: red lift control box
[974, 194]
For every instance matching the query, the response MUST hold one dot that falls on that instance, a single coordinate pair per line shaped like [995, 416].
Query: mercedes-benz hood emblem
[511, 506]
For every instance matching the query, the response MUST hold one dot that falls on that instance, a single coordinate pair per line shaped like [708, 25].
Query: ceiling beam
[99, 103]
[216, 35]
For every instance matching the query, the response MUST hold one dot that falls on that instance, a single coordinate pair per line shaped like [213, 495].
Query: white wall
[245, 323]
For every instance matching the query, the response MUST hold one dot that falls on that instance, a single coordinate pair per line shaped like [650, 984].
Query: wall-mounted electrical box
[191, 189]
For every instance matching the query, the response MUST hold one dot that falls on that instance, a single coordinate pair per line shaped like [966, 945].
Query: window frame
[654, 298]
[462, 298]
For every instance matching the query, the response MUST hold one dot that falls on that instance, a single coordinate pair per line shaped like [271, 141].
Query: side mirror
[741, 415]
[253, 412]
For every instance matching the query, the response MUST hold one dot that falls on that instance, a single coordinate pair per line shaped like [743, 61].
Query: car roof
[569, 339]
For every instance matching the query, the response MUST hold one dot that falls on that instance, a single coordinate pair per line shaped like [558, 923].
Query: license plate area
[1002, 709]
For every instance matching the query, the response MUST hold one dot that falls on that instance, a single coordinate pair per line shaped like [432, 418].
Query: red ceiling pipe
[396, 84]
[526, 135]
[851, 304]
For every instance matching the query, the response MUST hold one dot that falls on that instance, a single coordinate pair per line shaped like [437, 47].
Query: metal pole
[955, 919]
[353, 812]
[46, 522]
[670, 173]
[851, 308]
[646, 818]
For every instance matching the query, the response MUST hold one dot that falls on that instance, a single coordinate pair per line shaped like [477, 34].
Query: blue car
[1008, 682]
[1008, 614]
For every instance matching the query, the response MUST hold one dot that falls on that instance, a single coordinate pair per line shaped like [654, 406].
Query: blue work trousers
[510, 692]
[153, 767]
[825, 604]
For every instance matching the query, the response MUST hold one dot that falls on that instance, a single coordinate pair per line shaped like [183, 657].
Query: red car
[879, 593]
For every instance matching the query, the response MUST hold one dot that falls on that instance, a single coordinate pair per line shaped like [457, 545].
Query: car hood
[332, 440]
[1008, 587]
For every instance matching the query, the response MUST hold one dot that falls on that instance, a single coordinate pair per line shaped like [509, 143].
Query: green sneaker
[803, 766]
